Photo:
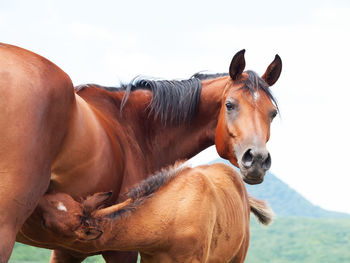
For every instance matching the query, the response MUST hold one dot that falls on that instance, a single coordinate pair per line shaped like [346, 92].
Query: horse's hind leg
[119, 256]
[18, 198]
[60, 256]
[34, 100]
[24, 176]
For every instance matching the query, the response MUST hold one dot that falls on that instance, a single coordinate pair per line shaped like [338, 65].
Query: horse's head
[70, 219]
[247, 111]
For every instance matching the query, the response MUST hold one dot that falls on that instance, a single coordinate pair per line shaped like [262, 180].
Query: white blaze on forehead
[61, 207]
[256, 95]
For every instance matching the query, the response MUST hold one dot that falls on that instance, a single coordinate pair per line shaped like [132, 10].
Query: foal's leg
[119, 257]
[242, 253]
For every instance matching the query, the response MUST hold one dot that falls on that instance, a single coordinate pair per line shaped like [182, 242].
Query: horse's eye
[273, 115]
[230, 105]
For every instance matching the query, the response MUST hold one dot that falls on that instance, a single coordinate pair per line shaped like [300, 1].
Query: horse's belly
[87, 180]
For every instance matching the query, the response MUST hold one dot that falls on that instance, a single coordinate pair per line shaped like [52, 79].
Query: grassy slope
[23, 253]
[304, 240]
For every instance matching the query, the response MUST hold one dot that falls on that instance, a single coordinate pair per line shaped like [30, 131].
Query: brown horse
[178, 215]
[97, 139]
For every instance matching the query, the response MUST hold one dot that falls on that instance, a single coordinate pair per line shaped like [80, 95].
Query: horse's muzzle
[253, 165]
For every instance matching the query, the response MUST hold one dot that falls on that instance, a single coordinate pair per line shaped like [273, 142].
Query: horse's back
[19, 60]
[29, 82]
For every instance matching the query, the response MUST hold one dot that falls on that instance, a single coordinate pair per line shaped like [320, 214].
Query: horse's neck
[131, 141]
[181, 142]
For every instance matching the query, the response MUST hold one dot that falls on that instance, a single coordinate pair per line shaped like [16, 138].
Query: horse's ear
[237, 65]
[273, 71]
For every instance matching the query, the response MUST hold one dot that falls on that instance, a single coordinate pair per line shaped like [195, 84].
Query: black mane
[176, 101]
[173, 101]
[202, 76]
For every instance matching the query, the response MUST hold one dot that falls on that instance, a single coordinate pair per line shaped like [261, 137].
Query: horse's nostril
[267, 163]
[256, 158]
[247, 158]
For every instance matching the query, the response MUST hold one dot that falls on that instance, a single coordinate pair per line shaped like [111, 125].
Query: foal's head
[71, 219]
[247, 111]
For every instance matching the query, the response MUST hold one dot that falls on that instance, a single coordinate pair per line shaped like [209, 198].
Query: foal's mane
[148, 187]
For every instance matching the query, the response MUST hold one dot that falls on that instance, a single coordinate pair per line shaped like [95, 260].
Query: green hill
[300, 240]
[285, 201]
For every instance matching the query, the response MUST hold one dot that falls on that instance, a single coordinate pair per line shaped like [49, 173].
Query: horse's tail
[261, 210]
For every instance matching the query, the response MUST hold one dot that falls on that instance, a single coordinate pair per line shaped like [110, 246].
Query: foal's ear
[111, 209]
[237, 65]
[273, 71]
[96, 201]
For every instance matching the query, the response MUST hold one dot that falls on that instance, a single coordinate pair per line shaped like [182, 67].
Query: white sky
[108, 41]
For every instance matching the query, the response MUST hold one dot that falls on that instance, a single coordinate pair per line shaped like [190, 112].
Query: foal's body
[55, 139]
[180, 215]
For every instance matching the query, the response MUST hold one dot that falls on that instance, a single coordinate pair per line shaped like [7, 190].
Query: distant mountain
[284, 200]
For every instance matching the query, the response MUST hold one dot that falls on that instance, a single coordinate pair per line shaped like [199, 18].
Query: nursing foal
[181, 214]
